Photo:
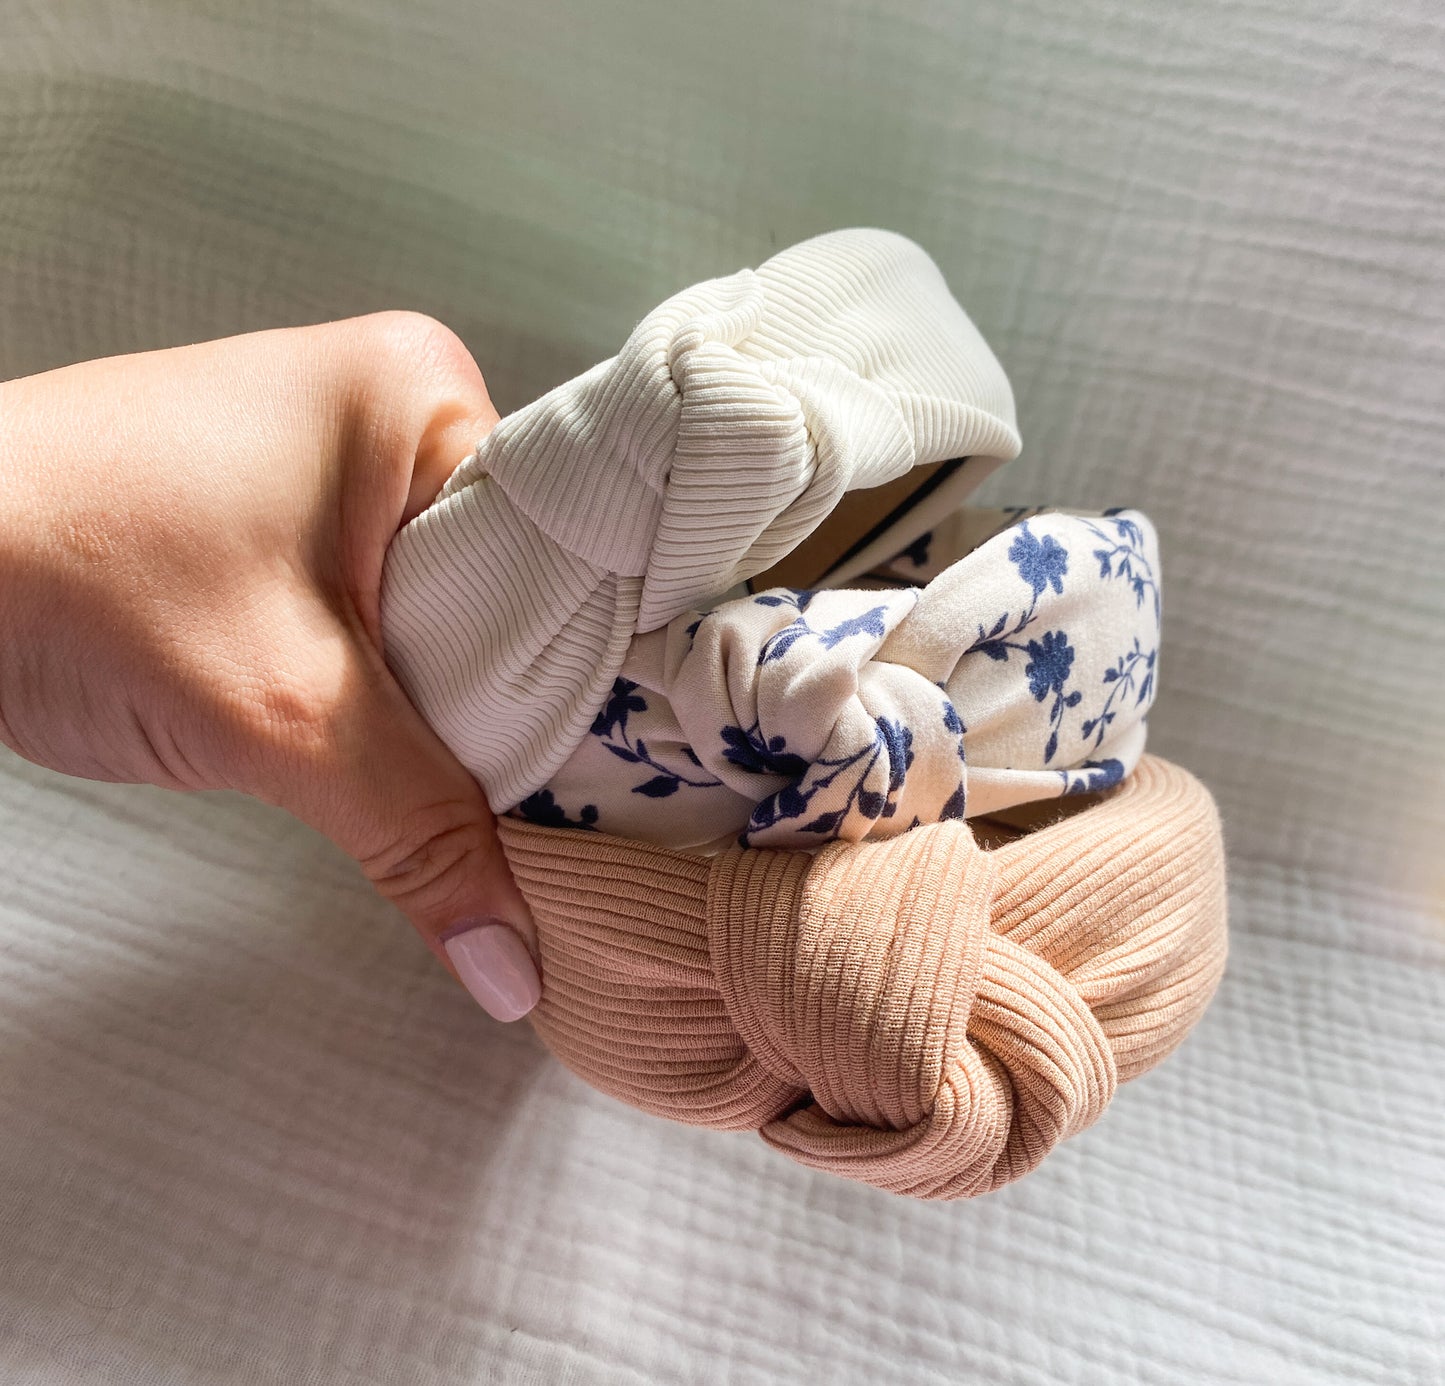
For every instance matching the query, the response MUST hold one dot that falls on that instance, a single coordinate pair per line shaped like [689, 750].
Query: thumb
[396, 799]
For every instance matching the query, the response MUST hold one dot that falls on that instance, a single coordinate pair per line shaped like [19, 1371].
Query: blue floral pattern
[543, 809]
[868, 622]
[1134, 665]
[1122, 556]
[1042, 563]
[610, 725]
[1092, 776]
[892, 744]
[1022, 671]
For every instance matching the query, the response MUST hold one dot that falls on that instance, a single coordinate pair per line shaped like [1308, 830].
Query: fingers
[376, 778]
[415, 407]
[389, 793]
[461, 418]
[422, 393]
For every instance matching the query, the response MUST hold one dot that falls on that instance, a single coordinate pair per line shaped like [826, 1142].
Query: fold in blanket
[1020, 673]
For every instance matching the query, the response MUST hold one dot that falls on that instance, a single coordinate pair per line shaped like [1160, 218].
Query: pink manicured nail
[495, 967]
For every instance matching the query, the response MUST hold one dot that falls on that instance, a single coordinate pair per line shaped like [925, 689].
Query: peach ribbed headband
[918, 1013]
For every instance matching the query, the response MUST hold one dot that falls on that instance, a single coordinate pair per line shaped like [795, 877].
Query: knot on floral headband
[1021, 672]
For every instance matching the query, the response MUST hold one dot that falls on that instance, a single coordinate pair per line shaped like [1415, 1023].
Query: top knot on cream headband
[717, 439]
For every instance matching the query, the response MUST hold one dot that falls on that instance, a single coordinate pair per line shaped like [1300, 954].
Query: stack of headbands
[739, 815]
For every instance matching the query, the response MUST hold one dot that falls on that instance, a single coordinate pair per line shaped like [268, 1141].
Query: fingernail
[495, 967]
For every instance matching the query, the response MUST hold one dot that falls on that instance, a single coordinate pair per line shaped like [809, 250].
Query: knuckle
[281, 721]
[294, 709]
[412, 341]
[424, 870]
[290, 712]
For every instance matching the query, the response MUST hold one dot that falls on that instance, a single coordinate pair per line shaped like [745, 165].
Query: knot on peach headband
[920, 1013]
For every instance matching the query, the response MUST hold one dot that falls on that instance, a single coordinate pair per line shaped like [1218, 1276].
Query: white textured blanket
[251, 1136]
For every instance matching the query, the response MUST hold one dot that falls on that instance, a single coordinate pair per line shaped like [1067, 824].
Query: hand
[191, 547]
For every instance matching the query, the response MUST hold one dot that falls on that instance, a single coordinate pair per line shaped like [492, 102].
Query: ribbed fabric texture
[920, 1014]
[728, 426]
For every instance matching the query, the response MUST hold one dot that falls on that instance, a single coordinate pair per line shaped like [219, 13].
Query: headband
[919, 1013]
[1022, 672]
[728, 426]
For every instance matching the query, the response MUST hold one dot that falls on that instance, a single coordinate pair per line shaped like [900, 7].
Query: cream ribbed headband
[1022, 672]
[722, 433]
[920, 1013]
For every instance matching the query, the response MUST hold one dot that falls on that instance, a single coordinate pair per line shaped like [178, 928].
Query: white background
[249, 1133]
